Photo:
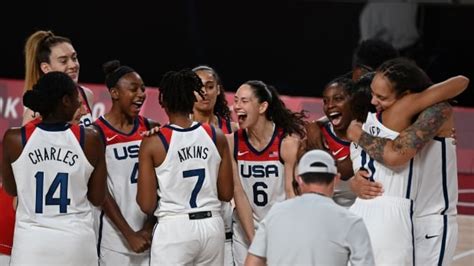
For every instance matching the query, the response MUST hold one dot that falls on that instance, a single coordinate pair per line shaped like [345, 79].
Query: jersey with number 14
[187, 178]
[54, 216]
[261, 173]
[121, 156]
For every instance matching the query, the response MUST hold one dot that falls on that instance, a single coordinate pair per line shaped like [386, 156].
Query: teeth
[334, 113]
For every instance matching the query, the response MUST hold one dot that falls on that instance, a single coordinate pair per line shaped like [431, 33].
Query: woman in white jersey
[124, 231]
[214, 110]
[397, 106]
[57, 170]
[264, 152]
[184, 173]
[46, 52]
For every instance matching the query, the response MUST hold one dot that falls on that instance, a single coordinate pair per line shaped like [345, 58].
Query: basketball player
[265, 152]
[434, 167]
[188, 168]
[389, 89]
[57, 170]
[213, 109]
[125, 231]
[46, 52]
[312, 229]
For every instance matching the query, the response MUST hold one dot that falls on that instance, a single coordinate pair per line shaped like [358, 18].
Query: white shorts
[228, 257]
[113, 258]
[388, 221]
[436, 237]
[240, 243]
[179, 240]
[4, 259]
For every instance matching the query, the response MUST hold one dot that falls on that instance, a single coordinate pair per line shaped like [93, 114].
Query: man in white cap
[311, 229]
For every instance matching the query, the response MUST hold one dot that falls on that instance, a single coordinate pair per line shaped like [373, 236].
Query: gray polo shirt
[312, 230]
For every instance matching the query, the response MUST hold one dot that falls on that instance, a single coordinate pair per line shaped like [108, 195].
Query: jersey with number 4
[53, 218]
[121, 156]
[261, 173]
[187, 178]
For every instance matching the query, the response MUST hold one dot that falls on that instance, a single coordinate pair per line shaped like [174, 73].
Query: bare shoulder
[291, 139]
[153, 123]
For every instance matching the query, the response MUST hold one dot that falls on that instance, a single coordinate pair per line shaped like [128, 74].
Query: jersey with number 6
[53, 218]
[121, 156]
[187, 178]
[261, 172]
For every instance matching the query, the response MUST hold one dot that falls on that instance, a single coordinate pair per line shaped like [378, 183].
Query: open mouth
[241, 117]
[335, 118]
[138, 105]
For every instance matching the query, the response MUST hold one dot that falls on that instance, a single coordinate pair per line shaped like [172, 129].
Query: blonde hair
[37, 51]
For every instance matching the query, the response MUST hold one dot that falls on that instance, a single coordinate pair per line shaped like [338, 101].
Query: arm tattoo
[373, 146]
[424, 129]
[412, 138]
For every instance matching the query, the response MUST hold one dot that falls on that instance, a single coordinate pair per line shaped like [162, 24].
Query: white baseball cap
[317, 161]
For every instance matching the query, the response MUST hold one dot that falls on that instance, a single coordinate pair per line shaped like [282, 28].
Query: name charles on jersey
[52, 154]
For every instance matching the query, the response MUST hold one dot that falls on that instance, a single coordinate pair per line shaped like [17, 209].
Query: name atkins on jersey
[191, 152]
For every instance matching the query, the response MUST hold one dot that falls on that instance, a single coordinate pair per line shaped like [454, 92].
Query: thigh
[436, 239]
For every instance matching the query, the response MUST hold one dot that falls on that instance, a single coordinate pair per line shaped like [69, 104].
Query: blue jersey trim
[410, 179]
[443, 241]
[136, 124]
[252, 149]
[163, 140]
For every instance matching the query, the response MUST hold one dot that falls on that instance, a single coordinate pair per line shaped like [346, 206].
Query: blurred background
[298, 46]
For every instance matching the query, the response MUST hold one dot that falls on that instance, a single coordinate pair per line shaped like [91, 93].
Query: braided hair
[404, 75]
[177, 91]
[47, 93]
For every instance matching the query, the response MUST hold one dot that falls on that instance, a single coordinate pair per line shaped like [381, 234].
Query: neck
[262, 132]
[119, 120]
[324, 190]
[204, 117]
[180, 120]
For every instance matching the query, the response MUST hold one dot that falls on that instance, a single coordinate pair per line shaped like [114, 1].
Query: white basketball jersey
[121, 155]
[187, 178]
[53, 217]
[397, 182]
[436, 169]
[261, 173]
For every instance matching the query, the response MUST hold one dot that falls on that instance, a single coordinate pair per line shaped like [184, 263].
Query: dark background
[298, 46]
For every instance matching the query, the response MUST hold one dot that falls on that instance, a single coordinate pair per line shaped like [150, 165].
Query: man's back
[312, 229]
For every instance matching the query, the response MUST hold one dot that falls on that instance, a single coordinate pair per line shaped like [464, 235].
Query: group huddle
[202, 189]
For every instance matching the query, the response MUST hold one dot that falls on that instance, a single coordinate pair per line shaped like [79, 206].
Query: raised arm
[400, 150]
[399, 116]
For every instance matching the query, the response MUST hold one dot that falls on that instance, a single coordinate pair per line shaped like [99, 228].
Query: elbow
[97, 200]
[226, 194]
[465, 81]
[396, 162]
[146, 206]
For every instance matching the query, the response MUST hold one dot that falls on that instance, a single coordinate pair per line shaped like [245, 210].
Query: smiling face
[210, 90]
[129, 94]
[247, 108]
[383, 94]
[63, 58]
[336, 106]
